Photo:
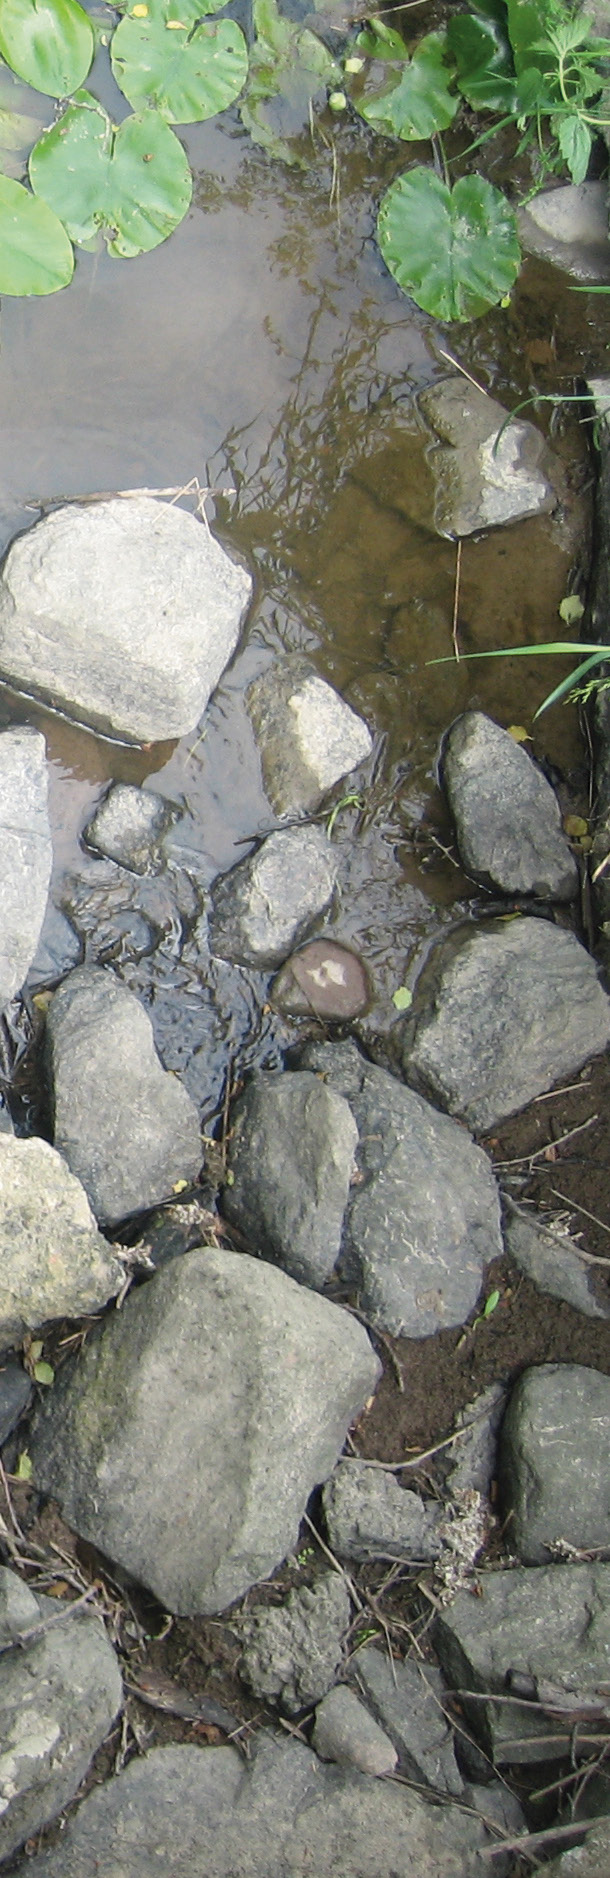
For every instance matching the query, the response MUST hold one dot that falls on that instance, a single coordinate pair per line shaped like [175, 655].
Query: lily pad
[417, 103]
[455, 251]
[35, 254]
[290, 68]
[485, 70]
[132, 183]
[187, 66]
[49, 43]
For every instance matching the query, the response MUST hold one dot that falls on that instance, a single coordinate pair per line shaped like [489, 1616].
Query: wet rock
[291, 1159]
[483, 480]
[26, 854]
[423, 1217]
[309, 739]
[129, 826]
[122, 614]
[473, 1457]
[16, 1391]
[569, 226]
[53, 1260]
[551, 1259]
[506, 814]
[554, 1460]
[58, 951]
[548, 1631]
[292, 1653]
[125, 1125]
[407, 1700]
[324, 980]
[369, 1516]
[269, 902]
[199, 1810]
[58, 1698]
[188, 1439]
[346, 1733]
[591, 1860]
[501, 1016]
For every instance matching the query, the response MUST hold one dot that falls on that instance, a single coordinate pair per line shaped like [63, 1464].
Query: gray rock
[58, 951]
[128, 827]
[548, 1631]
[124, 1124]
[122, 614]
[407, 1700]
[368, 1515]
[501, 1016]
[291, 1158]
[473, 1457]
[16, 1391]
[591, 1860]
[482, 479]
[554, 1460]
[293, 1651]
[551, 1259]
[322, 980]
[26, 854]
[58, 1698]
[269, 902]
[308, 737]
[346, 1733]
[204, 1813]
[569, 226]
[188, 1439]
[423, 1220]
[53, 1260]
[494, 1800]
[506, 814]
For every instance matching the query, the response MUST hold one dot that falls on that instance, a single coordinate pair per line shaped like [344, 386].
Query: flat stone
[569, 227]
[121, 614]
[473, 1458]
[124, 1124]
[269, 902]
[368, 1515]
[308, 737]
[483, 479]
[291, 1159]
[187, 1440]
[551, 1260]
[128, 827]
[293, 1652]
[407, 1700]
[501, 1016]
[554, 1460]
[507, 817]
[345, 1732]
[53, 1261]
[322, 980]
[26, 854]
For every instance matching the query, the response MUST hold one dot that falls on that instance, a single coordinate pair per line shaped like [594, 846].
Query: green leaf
[289, 68]
[188, 67]
[418, 103]
[491, 1304]
[44, 1373]
[379, 41]
[24, 1469]
[49, 43]
[575, 142]
[35, 254]
[455, 251]
[132, 183]
[485, 71]
[402, 998]
[527, 23]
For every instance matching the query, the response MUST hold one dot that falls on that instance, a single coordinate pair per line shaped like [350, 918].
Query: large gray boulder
[502, 1015]
[53, 1260]
[292, 1651]
[122, 614]
[59, 1694]
[291, 1159]
[483, 478]
[308, 737]
[554, 1460]
[507, 817]
[269, 902]
[187, 1441]
[123, 1123]
[26, 854]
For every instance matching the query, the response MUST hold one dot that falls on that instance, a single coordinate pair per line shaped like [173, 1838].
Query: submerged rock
[269, 902]
[554, 1461]
[309, 738]
[128, 827]
[26, 854]
[569, 226]
[507, 817]
[483, 478]
[53, 1260]
[122, 614]
[292, 1653]
[291, 1158]
[322, 980]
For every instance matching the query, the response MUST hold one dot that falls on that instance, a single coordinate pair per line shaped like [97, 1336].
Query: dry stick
[427, 1454]
[456, 600]
[535, 1839]
[39, 1630]
[548, 1095]
[522, 1160]
[10, 1508]
[335, 1563]
[461, 368]
[574, 1205]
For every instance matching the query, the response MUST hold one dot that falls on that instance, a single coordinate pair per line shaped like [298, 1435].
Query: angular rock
[551, 1259]
[308, 737]
[292, 1652]
[473, 1458]
[53, 1260]
[369, 1516]
[188, 1439]
[346, 1733]
[204, 1813]
[59, 1695]
[322, 980]
[407, 1700]
[16, 1391]
[554, 1460]
[548, 1631]
[506, 814]
[122, 614]
[591, 1860]
[483, 479]
[569, 227]
[26, 854]
[423, 1220]
[128, 827]
[291, 1159]
[58, 951]
[501, 1016]
[126, 1127]
[269, 902]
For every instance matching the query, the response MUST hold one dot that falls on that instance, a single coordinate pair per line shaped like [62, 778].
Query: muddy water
[265, 350]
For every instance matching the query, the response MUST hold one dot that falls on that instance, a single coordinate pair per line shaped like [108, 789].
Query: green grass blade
[521, 652]
[567, 685]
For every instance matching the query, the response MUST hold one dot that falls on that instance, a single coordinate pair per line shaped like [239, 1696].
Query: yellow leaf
[42, 1000]
[575, 826]
[175, 26]
[139, 13]
[24, 1467]
[179, 1186]
[520, 735]
[35, 1350]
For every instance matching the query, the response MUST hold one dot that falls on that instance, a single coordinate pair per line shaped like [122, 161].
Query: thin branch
[456, 600]
[574, 1205]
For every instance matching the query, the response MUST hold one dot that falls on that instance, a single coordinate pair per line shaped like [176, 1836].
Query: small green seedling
[402, 998]
[347, 802]
[490, 1305]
